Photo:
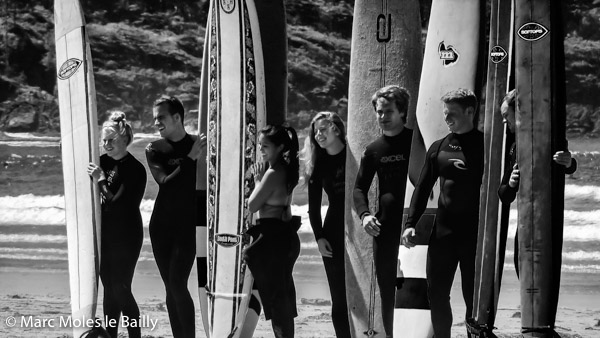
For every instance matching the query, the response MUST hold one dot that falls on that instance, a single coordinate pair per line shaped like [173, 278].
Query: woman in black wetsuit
[122, 181]
[325, 163]
[276, 245]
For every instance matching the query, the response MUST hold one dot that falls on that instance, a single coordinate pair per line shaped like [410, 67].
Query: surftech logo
[69, 68]
[227, 240]
[532, 31]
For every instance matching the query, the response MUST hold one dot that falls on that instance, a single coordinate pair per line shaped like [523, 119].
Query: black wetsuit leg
[175, 258]
[386, 247]
[442, 261]
[116, 271]
[443, 257]
[336, 277]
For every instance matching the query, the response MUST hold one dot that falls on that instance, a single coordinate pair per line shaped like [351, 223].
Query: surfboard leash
[371, 322]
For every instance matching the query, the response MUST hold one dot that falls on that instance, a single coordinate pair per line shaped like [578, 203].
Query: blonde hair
[118, 124]
[312, 152]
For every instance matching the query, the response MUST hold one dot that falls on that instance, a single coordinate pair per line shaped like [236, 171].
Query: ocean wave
[49, 210]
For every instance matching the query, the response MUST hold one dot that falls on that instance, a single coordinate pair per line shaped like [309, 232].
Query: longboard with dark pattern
[236, 111]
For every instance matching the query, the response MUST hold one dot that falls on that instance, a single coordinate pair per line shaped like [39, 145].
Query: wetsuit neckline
[396, 137]
[180, 141]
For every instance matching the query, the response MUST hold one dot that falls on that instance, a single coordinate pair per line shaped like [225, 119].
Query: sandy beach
[45, 295]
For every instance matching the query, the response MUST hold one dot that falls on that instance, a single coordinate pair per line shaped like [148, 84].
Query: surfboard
[235, 115]
[491, 242]
[450, 62]
[386, 49]
[540, 132]
[201, 183]
[79, 146]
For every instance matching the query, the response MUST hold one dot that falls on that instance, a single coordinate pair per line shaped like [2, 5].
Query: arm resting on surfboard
[427, 179]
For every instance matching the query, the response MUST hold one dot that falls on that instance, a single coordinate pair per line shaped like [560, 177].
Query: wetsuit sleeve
[506, 193]
[131, 190]
[158, 171]
[315, 197]
[427, 178]
[365, 175]
[573, 168]
[106, 193]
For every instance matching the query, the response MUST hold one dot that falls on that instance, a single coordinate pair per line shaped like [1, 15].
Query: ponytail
[286, 136]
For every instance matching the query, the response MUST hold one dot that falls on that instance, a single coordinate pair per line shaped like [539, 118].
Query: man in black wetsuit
[172, 162]
[388, 157]
[457, 160]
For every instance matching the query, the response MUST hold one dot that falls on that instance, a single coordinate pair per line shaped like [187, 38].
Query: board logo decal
[497, 54]
[228, 5]
[532, 31]
[448, 54]
[384, 28]
[69, 68]
[227, 240]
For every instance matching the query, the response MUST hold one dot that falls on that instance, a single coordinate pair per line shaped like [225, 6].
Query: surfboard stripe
[411, 293]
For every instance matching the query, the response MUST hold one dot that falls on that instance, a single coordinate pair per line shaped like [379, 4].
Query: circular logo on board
[532, 31]
[227, 240]
[228, 5]
[497, 54]
[69, 68]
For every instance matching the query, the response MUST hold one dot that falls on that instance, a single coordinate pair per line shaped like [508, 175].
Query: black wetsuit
[122, 236]
[329, 175]
[173, 226]
[457, 160]
[388, 157]
[271, 258]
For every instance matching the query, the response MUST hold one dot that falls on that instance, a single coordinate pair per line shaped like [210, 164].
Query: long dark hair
[312, 152]
[286, 136]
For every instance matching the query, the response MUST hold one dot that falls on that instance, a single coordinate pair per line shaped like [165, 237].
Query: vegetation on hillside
[144, 48]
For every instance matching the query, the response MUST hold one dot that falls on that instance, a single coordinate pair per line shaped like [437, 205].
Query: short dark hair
[510, 97]
[175, 106]
[395, 93]
[464, 97]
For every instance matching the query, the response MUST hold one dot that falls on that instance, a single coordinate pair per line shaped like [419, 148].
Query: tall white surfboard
[450, 62]
[79, 143]
[236, 113]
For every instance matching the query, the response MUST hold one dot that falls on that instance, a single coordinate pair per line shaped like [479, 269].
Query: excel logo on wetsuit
[392, 158]
[227, 240]
[460, 164]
